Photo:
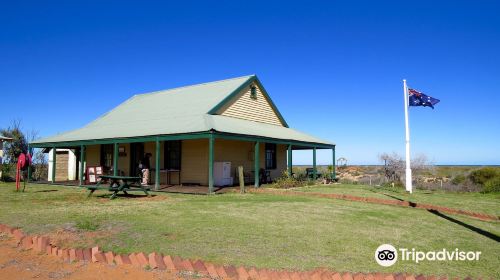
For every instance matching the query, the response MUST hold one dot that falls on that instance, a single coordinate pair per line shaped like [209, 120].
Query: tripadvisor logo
[387, 255]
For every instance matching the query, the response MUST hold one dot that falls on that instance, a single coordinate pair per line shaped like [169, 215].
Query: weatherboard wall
[92, 155]
[194, 160]
[241, 153]
[124, 160]
[258, 109]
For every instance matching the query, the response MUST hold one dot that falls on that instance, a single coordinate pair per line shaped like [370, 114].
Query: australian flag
[416, 98]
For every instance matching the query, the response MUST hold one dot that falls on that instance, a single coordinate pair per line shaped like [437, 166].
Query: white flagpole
[409, 187]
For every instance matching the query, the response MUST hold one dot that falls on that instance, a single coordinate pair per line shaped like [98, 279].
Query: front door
[136, 155]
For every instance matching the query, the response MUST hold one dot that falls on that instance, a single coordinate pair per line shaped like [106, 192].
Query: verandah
[211, 136]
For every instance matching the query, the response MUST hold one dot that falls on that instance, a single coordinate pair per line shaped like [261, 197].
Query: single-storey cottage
[192, 133]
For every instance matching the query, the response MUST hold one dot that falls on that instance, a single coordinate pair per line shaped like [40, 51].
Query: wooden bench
[118, 184]
[310, 173]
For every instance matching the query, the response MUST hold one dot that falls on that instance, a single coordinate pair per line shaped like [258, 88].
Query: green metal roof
[176, 111]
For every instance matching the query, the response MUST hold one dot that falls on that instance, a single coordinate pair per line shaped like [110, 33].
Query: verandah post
[54, 153]
[115, 160]
[314, 164]
[82, 163]
[257, 164]
[290, 160]
[157, 165]
[211, 163]
[30, 152]
[334, 173]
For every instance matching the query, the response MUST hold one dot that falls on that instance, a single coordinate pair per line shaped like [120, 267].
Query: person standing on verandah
[145, 166]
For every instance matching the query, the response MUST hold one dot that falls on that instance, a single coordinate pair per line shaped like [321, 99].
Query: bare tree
[39, 158]
[420, 162]
[37, 155]
[394, 165]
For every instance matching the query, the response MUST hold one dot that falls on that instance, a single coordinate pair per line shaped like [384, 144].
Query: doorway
[136, 155]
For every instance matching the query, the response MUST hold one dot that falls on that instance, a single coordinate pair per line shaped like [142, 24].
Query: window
[107, 157]
[173, 155]
[253, 92]
[270, 156]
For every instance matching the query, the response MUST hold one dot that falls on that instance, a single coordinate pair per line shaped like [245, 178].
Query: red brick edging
[480, 216]
[175, 264]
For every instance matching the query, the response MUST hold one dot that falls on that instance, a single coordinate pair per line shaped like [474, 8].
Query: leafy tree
[19, 143]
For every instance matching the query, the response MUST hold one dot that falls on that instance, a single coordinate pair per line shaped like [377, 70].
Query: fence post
[242, 179]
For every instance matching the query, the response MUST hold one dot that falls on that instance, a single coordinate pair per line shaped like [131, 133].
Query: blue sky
[334, 68]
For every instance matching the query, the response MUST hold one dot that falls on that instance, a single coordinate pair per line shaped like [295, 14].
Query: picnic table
[118, 184]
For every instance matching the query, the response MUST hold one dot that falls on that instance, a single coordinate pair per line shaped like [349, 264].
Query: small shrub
[492, 185]
[300, 172]
[459, 179]
[329, 168]
[394, 184]
[39, 172]
[8, 172]
[88, 225]
[287, 182]
[481, 176]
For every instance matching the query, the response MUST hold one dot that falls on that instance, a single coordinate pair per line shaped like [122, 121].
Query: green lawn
[478, 202]
[260, 230]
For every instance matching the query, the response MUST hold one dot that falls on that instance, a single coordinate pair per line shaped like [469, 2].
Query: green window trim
[270, 156]
[106, 157]
[173, 154]
[253, 92]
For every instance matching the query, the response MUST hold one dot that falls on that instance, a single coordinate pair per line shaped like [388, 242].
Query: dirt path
[16, 263]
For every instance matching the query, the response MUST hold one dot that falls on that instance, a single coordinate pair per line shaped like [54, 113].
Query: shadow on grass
[217, 190]
[44, 191]
[482, 232]
[128, 195]
[391, 196]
